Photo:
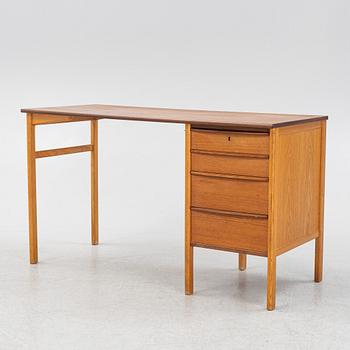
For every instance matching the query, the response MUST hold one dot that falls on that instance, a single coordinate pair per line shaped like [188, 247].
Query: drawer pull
[230, 213]
[231, 176]
[230, 154]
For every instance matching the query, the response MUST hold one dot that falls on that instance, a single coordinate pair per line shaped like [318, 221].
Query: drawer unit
[227, 164]
[254, 193]
[229, 232]
[230, 141]
[230, 194]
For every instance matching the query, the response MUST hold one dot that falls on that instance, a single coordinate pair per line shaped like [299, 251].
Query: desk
[254, 181]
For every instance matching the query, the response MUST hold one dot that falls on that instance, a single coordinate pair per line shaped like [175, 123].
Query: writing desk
[254, 181]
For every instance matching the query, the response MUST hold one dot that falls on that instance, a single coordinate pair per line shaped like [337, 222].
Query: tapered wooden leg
[188, 247]
[189, 271]
[319, 240]
[318, 259]
[271, 282]
[242, 261]
[94, 182]
[33, 239]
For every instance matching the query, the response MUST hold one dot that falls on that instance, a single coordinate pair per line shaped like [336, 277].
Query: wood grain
[184, 116]
[63, 151]
[319, 240]
[240, 234]
[233, 142]
[94, 182]
[295, 194]
[224, 164]
[230, 194]
[188, 227]
[32, 207]
[296, 185]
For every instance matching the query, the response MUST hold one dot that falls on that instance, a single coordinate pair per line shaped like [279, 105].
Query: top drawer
[230, 141]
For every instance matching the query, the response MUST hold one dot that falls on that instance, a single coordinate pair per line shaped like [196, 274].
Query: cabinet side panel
[296, 185]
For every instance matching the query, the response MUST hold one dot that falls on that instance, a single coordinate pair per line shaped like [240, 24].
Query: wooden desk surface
[185, 116]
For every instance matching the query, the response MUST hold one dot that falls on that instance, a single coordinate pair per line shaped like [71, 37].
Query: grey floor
[127, 293]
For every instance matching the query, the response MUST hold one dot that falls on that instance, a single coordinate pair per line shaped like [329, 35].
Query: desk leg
[242, 261]
[319, 240]
[94, 182]
[318, 258]
[188, 247]
[271, 282]
[32, 210]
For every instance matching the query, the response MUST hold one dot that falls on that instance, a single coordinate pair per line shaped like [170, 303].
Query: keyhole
[229, 138]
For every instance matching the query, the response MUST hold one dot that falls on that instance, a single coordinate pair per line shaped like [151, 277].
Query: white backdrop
[263, 56]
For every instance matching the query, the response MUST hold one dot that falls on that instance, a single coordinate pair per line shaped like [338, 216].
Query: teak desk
[254, 181]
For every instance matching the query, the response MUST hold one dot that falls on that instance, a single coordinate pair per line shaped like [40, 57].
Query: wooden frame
[40, 119]
[254, 183]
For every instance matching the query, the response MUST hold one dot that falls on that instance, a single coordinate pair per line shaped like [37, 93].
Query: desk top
[185, 116]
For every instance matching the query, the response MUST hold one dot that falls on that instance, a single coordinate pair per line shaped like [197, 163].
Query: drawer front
[229, 232]
[230, 142]
[229, 194]
[223, 164]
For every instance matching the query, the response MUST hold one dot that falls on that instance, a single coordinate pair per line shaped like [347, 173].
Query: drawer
[230, 141]
[227, 232]
[224, 164]
[229, 194]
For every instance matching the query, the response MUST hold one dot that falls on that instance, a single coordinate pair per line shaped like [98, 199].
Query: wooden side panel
[230, 194]
[223, 164]
[296, 185]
